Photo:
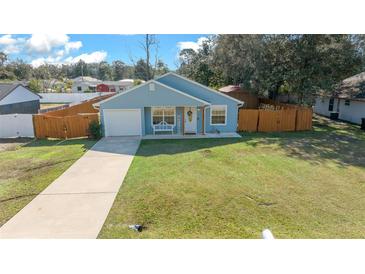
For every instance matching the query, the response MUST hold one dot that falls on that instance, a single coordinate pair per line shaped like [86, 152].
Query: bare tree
[149, 44]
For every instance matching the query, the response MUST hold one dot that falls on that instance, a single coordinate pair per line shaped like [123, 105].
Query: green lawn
[299, 185]
[28, 169]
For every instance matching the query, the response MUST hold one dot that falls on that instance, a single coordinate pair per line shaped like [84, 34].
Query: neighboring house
[15, 98]
[348, 100]
[89, 84]
[114, 86]
[251, 100]
[84, 84]
[169, 104]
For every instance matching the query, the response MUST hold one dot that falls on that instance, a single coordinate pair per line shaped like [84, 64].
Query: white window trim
[152, 108]
[211, 110]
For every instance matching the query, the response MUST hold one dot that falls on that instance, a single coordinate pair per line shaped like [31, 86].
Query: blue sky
[37, 49]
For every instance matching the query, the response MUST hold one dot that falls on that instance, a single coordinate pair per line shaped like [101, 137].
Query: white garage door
[122, 122]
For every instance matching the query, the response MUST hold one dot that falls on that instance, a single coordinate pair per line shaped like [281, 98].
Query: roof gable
[6, 89]
[140, 96]
[173, 79]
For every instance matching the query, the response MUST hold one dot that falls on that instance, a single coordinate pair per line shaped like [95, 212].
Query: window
[166, 114]
[152, 87]
[79, 89]
[218, 115]
[347, 102]
[330, 104]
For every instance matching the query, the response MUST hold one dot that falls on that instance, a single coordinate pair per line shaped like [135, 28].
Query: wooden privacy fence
[86, 107]
[69, 122]
[63, 127]
[262, 120]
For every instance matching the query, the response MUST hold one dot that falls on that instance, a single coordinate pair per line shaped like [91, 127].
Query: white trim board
[198, 84]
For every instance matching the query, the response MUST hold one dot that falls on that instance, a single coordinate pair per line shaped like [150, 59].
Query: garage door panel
[122, 122]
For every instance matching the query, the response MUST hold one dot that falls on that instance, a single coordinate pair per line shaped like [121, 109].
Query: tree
[161, 68]
[118, 70]
[21, 70]
[140, 70]
[105, 72]
[3, 58]
[35, 85]
[80, 69]
[150, 43]
[299, 64]
[199, 65]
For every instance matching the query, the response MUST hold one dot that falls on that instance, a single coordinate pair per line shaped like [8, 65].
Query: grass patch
[298, 184]
[28, 169]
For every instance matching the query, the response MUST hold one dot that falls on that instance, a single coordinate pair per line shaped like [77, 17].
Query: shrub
[95, 130]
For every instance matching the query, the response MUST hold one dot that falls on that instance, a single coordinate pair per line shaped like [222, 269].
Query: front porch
[191, 136]
[175, 120]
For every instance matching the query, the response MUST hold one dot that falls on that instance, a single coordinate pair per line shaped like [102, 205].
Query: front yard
[27, 167]
[298, 184]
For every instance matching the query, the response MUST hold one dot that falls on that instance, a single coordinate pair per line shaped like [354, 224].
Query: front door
[190, 120]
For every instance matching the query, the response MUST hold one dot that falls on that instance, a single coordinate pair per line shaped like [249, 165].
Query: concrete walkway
[77, 203]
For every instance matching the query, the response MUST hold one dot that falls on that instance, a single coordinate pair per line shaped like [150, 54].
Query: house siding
[30, 107]
[142, 98]
[209, 96]
[321, 106]
[19, 95]
[352, 113]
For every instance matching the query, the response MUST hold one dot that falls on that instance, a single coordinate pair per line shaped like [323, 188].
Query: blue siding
[209, 96]
[144, 99]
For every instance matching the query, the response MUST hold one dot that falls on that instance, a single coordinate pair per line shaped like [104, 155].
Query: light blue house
[170, 104]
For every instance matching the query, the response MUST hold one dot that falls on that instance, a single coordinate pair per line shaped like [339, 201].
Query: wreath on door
[190, 115]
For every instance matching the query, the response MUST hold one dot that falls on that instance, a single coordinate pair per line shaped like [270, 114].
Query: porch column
[183, 121]
[203, 120]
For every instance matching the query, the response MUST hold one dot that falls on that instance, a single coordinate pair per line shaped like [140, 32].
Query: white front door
[190, 120]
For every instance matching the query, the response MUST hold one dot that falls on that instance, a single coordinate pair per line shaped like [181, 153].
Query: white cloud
[45, 43]
[94, 57]
[60, 53]
[191, 44]
[73, 46]
[7, 40]
[48, 49]
[49, 60]
[9, 45]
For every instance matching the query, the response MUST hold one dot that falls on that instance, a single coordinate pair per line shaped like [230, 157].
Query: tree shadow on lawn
[85, 142]
[340, 142]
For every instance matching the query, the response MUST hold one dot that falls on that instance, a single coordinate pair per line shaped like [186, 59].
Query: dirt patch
[206, 152]
[13, 143]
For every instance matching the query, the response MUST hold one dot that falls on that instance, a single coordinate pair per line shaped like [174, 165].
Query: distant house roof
[85, 79]
[116, 83]
[130, 81]
[352, 87]
[230, 88]
[7, 88]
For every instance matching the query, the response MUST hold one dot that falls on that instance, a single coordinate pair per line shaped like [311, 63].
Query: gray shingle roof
[352, 87]
[6, 89]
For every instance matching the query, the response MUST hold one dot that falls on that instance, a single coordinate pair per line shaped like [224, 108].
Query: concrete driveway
[77, 203]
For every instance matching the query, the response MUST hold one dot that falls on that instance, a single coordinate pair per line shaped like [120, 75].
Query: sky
[37, 49]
